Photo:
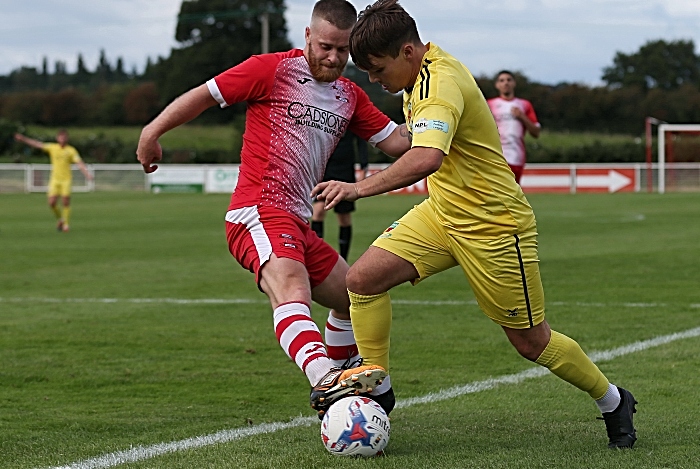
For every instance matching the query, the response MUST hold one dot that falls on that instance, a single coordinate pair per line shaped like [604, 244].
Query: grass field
[137, 329]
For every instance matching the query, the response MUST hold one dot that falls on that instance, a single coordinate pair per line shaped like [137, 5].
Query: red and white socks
[301, 340]
[340, 341]
[342, 348]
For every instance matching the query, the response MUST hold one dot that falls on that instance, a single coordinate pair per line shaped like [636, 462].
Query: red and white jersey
[293, 124]
[511, 130]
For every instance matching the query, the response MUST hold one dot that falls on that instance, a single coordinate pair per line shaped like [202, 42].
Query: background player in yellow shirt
[62, 156]
[476, 216]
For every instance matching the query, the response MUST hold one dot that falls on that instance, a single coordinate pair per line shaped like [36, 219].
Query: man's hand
[517, 113]
[149, 151]
[333, 192]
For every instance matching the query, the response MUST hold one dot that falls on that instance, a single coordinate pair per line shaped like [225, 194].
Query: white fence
[567, 178]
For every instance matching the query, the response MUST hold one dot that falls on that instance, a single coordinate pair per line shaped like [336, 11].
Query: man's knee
[355, 281]
[530, 343]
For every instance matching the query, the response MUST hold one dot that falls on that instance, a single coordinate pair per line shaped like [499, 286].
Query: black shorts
[342, 175]
[344, 206]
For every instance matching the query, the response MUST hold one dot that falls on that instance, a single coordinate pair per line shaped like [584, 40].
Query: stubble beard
[323, 72]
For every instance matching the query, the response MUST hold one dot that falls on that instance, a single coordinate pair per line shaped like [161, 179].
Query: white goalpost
[666, 133]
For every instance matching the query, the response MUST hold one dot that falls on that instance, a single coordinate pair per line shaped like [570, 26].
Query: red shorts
[518, 171]
[254, 233]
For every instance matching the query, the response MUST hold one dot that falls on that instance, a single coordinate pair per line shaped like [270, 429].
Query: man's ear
[407, 51]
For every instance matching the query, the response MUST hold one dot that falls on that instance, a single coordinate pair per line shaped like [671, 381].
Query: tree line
[661, 79]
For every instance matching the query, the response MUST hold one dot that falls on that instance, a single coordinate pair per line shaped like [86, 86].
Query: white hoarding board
[221, 179]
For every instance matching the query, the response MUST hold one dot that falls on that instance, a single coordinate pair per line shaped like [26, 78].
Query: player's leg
[344, 213]
[270, 243]
[409, 250]
[328, 289]
[52, 199]
[65, 213]
[317, 218]
[332, 293]
[515, 299]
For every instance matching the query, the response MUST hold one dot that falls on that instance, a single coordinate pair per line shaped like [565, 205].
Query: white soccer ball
[355, 426]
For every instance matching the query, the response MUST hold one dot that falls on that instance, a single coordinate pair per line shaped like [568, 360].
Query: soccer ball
[355, 426]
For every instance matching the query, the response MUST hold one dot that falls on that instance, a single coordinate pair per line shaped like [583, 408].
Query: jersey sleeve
[435, 118]
[247, 81]
[75, 156]
[530, 113]
[368, 122]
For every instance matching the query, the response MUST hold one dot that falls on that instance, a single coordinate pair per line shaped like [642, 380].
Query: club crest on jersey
[423, 124]
[317, 118]
[387, 232]
[339, 92]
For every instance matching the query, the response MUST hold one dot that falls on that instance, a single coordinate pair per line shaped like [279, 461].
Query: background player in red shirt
[514, 118]
[298, 107]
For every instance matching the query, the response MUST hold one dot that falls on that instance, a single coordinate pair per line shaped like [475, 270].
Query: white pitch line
[181, 301]
[141, 453]
[224, 301]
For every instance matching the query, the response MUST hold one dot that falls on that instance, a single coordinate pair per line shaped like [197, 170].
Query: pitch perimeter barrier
[553, 178]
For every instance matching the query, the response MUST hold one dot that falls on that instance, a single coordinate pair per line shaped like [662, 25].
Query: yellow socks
[371, 323]
[66, 215]
[56, 211]
[565, 358]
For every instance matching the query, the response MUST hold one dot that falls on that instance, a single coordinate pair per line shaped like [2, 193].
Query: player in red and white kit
[514, 118]
[299, 106]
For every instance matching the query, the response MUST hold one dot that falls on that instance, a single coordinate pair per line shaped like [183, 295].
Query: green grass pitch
[137, 328]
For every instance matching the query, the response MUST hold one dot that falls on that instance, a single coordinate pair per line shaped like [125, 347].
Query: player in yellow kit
[476, 217]
[62, 156]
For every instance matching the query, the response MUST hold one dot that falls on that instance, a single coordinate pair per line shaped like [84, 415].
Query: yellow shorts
[503, 273]
[57, 187]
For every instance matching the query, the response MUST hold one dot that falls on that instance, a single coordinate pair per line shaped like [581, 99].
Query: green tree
[82, 75]
[215, 35]
[657, 64]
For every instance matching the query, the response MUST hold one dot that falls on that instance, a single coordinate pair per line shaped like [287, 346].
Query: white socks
[610, 400]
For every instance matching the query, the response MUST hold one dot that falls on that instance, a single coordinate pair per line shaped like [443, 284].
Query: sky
[549, 41]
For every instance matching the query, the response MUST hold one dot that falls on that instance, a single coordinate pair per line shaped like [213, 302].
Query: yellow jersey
[61, 159]
[474, 193]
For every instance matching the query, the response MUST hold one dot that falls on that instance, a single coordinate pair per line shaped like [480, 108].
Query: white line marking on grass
[181, 301]
[224, 301]
[141, 453]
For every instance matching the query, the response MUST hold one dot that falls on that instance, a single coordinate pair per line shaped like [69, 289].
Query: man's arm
[30, 141]
[414, 165]
[182, 110]
[397, 143]
[84, 170]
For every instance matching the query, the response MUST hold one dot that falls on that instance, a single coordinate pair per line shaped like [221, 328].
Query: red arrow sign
[587, 179]
[582, 180]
